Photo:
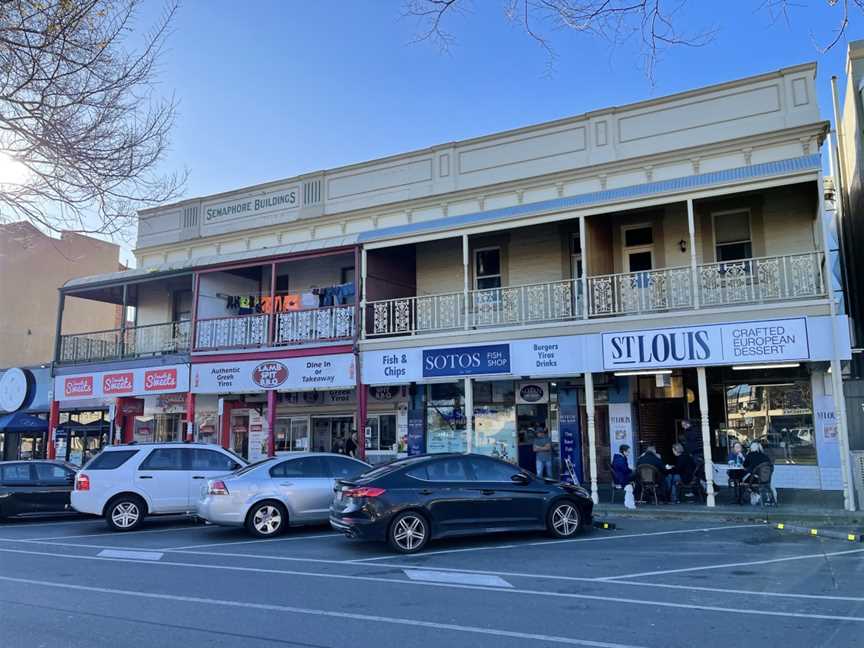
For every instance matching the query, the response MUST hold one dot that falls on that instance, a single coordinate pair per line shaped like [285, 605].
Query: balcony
[712, 285]
[117, 344]
[291, 328]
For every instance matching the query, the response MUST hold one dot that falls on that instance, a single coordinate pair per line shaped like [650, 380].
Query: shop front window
[292, 434]
[445, 418]
[780, 417]
[495, 420]
[381, 433]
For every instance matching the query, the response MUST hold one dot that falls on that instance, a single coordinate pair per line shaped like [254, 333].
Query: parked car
[270, 496]
[409, 502]
[28, 487]
[125, 483]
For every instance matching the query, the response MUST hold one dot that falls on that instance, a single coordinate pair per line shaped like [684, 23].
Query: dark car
[35, 487]
[409, 502]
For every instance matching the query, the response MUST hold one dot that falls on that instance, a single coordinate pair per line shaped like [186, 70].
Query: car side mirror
[521, 478]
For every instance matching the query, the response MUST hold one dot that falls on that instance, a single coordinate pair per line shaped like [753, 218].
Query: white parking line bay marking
[338, 614]
[456, 577]
[132, 555]
[737, 609]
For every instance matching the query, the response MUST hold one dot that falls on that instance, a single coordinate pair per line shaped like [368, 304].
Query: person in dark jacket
[692, 439]
[755, 457]
[651, 457]
[621, 473]
[681, 471]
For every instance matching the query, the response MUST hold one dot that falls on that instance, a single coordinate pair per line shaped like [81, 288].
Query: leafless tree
[79, 114]
[655, 23]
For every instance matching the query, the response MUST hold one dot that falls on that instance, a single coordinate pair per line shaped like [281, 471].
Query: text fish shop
[764, 380]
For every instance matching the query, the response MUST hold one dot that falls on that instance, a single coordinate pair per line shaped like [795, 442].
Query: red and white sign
[77, 387]
[118, 383]
[129, 382]
[160, 380]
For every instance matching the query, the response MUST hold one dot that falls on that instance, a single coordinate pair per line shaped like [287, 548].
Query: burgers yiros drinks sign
[78, 386]
[160, 380]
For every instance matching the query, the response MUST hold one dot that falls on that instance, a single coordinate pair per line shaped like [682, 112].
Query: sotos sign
[762, 341]
[466, 361]
[270, 375]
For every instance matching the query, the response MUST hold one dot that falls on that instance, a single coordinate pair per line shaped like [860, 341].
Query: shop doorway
[529, 420]
[330, 433]
[240, 433]
[159, 428]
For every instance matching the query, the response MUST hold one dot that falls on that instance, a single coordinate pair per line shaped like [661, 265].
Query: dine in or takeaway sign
[739, 343]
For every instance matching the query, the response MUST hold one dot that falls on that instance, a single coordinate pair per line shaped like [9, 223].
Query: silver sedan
[269, 496]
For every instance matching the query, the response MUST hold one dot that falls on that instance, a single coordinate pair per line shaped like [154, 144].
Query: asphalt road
[67, 583]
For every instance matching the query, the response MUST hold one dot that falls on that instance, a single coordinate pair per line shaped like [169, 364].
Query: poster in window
[258, 434]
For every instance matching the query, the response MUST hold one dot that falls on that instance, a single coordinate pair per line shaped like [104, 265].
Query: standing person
[692, 439]
[543, 453]
[351, 447]
[621, 472]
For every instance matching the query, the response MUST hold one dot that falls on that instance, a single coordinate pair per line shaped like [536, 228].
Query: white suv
[124, 483]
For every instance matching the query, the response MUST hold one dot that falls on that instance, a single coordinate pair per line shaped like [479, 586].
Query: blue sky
[272, 89]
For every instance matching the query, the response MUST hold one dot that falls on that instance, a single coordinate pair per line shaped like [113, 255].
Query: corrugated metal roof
[698, 181]
[217, 259]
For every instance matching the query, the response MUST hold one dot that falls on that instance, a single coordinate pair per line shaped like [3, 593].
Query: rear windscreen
[110, 460]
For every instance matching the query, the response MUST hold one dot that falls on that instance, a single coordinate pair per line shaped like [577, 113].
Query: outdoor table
[734, 476]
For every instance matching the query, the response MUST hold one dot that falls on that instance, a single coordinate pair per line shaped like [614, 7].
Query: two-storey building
[607, 277]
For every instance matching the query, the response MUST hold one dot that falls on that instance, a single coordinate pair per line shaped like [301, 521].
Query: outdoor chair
[650, 480]
[759, 481]
[694, 486]
[613, 487]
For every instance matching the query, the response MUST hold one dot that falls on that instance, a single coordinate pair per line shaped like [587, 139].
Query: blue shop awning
[21, 422]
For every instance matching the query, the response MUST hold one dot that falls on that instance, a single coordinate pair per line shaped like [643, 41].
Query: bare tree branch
[79, 114]
[655, 23]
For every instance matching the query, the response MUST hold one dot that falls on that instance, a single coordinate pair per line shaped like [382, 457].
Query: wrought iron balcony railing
[745, 281]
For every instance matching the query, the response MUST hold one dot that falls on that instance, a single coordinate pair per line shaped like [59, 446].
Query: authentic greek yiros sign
[129, 382]
[740, 343]
[307, 373]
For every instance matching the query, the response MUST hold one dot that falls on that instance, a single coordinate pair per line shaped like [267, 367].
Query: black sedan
[35, 487]
[409, 502]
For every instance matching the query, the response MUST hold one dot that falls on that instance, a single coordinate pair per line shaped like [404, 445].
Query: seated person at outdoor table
[682, 471]
[754, 458]
[736, 455]
[621, 473]
[650, 456]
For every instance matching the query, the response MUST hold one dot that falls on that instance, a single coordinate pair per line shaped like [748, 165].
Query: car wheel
[564, 520]
[125, 513]
[267, 519]
[409, 532]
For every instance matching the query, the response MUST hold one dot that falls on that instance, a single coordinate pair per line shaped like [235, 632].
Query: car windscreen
[386, 469]
[109, 460]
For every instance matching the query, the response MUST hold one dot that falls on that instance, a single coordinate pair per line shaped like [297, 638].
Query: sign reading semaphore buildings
[288, 198]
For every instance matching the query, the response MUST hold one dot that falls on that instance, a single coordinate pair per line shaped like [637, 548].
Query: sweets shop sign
[142, 381]
[739, 343]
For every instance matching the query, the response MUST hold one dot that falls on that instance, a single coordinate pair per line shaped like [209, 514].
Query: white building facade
[605, 277]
